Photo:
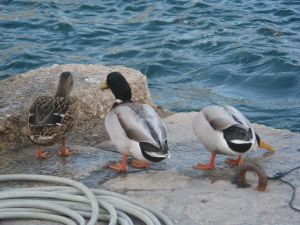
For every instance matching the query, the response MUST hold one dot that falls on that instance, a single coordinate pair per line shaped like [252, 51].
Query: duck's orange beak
[264, 145]
[104, 86]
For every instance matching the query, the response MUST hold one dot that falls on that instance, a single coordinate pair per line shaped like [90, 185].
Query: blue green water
[194, 53]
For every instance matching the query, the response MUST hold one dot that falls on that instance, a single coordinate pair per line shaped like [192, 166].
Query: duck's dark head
[119, 86]
[65, 85]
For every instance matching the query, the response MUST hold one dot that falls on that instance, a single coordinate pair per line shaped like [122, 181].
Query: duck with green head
[134, 128]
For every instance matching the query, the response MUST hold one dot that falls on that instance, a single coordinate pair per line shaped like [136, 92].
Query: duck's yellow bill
[264, 145]
[104, 86]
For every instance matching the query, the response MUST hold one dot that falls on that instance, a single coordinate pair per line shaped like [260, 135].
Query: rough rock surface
[187, 196]
[207, 197]
[17, 94]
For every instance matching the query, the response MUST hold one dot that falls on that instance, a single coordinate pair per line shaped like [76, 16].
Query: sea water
[194, 53]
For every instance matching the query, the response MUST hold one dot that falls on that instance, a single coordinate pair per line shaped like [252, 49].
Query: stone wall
[17, 94]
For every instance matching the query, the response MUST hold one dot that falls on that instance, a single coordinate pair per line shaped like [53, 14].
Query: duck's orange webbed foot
[210, 166]
[235, 162]
[64, 152]
[140, 165]
[120, 167]
[204, 167]
[40, 154]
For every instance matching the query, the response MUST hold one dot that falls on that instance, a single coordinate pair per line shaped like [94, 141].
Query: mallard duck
[135, 129]
[51, 118]
[225, 130]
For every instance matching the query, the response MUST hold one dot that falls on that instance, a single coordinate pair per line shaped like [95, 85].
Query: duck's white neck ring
[118, 101]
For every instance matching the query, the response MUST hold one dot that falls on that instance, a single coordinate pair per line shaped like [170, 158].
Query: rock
[18, 93]
[2, 129]
[161, 180]
[184, 120]
[185, 195]
[190, 196]
[198, 201]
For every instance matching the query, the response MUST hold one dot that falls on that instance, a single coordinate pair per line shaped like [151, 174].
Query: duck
[134, 128]
[225, 130]
[51, 118]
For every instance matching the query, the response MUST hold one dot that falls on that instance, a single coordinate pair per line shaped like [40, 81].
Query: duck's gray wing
[244, 130]
[237, 130]
[218, 117]
[156, 126]
[142, 124]
[238, 116]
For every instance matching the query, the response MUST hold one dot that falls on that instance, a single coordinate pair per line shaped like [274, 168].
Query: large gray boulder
[18, 93]
[187, 196]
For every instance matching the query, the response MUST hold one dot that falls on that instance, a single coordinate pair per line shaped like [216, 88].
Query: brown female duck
[51, 118]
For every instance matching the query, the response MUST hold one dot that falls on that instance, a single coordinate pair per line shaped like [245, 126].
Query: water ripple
[194, 53]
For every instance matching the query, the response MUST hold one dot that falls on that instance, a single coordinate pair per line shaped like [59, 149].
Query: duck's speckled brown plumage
[51, 119]
[57, 132]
